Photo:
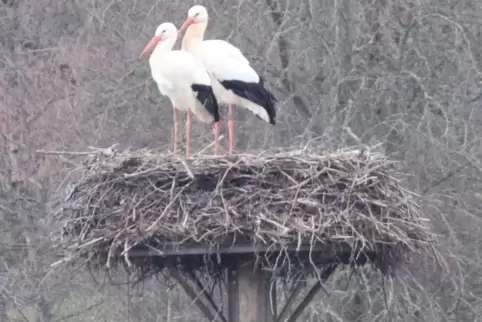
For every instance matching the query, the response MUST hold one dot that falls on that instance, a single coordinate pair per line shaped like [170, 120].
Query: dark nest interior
[150, 210]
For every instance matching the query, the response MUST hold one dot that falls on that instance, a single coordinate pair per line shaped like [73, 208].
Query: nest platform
[245, 217]
[151, 210]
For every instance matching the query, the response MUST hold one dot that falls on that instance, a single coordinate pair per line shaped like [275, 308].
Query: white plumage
[183, 79]
[227, 49]
[225, 61]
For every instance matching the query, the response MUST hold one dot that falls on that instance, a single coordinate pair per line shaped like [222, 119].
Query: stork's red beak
[189, 21]
[151, 45]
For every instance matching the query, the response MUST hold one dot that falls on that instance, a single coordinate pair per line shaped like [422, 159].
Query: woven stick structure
[144, 208]
[248, 220]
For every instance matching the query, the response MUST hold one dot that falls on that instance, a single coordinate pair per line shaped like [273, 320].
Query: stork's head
[165, 31]
[197, 14]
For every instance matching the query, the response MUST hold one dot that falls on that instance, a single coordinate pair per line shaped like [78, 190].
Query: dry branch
[349, 203]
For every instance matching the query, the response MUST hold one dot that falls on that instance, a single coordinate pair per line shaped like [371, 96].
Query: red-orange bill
[150, 45]
[185, 25]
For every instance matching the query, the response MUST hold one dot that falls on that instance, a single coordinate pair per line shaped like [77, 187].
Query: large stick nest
[348, 207]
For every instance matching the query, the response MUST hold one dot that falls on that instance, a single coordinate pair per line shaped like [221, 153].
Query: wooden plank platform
[183, 250]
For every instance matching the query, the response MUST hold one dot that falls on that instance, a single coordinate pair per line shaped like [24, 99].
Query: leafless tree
[403, 73]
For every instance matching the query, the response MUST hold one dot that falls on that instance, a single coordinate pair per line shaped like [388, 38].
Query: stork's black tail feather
[261, 81]
[256, 93]
[205, 96]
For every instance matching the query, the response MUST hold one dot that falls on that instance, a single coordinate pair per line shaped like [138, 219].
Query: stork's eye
[197, 14]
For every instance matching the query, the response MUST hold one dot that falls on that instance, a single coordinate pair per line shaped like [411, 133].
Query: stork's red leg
[176, 128]
[217, 131]
[230, 127]
[188, 133]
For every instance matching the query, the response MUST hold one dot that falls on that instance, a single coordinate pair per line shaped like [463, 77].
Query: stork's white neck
[163, 47]
[194, 35]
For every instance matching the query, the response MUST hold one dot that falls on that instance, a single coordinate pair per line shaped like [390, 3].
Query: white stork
[234, 81]
[183, 78]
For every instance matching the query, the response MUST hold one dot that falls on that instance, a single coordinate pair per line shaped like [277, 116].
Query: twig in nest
[165, 211]
[209, 145]
[189, 172]
[110, 151]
